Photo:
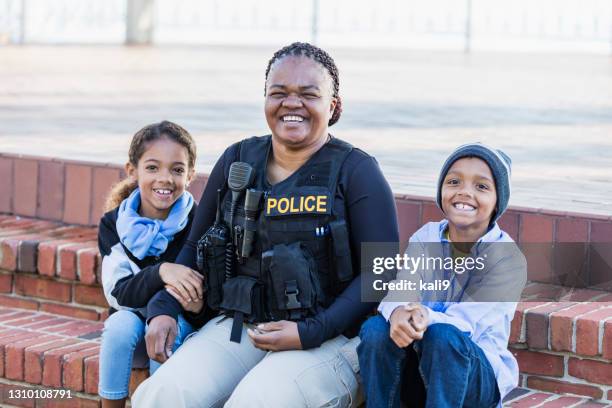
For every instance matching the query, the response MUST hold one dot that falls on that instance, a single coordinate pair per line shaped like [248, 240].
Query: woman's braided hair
[318, 55]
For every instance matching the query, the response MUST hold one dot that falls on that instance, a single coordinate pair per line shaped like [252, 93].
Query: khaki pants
[210, 371]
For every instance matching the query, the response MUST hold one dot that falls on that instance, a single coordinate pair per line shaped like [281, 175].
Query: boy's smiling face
[469, 196]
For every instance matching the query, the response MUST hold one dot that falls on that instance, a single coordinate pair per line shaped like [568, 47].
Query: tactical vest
[301, 257]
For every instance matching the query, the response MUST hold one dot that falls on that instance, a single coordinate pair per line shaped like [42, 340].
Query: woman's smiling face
[468, 194]
[299, 101]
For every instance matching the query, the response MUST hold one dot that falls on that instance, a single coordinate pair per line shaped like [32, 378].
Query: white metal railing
[62, 21]
[11, 26]
[455, 24]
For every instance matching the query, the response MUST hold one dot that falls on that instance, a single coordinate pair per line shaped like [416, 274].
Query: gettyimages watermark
[485, 272]
[413, 265]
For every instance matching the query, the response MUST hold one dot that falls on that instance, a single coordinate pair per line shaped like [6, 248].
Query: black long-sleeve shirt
[371, 216]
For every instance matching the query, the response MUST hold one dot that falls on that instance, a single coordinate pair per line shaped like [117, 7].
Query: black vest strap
[301, 231]
[322, 169]
[236, 333]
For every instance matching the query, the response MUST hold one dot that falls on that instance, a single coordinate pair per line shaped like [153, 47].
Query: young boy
[449, 349]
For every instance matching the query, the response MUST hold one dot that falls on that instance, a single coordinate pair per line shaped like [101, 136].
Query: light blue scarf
[144, 236]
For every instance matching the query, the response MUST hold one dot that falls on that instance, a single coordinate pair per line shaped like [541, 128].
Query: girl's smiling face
[469, 196]
[162, 174]
[299, 101]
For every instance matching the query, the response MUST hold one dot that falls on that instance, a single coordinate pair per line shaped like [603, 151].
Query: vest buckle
[292, 291]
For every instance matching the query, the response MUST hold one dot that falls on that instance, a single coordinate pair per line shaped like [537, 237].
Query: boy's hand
[193, 307]
[419, 316]
[186, 281]
[408, 323]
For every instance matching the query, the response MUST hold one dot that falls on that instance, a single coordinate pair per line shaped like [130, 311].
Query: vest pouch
[211, 252]
[293, 275]
[243, 294]
[343, 264]
[213, 282]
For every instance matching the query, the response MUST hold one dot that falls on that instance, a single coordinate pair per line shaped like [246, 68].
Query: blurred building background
[500, 25]
[418, 78]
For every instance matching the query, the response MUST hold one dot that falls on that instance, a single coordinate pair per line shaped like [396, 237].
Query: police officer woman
[279, 229]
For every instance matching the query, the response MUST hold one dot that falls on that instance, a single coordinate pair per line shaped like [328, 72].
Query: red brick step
[42, 351]
[49, 283]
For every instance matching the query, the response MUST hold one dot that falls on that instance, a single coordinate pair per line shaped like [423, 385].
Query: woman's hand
[187, 282]
[193, 307]
[160, 337]
[276, 336]
[408, 323]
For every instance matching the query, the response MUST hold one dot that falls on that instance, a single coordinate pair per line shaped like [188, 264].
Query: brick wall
[73, 192]
[565, 347]
[50, 267]
[60, 190]
[564, 248]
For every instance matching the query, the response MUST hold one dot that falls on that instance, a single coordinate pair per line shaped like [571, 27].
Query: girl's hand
[276, 336]
[187, 282]
[193, 307]
[408, 323]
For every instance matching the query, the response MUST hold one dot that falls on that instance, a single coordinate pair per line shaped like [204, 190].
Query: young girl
[149, 219]
[449, 349]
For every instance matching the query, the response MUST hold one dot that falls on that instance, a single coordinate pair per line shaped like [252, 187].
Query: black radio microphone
[240, 177]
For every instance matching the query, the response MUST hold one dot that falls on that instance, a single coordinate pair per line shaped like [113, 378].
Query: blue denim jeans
[444, 369]
[123, 333]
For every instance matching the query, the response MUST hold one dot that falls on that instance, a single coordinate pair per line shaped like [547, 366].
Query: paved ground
[551, 113]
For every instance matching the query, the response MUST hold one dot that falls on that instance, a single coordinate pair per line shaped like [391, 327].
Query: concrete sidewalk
[551, 113]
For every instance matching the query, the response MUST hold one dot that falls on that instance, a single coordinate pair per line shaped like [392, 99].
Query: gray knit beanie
[499, 163]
